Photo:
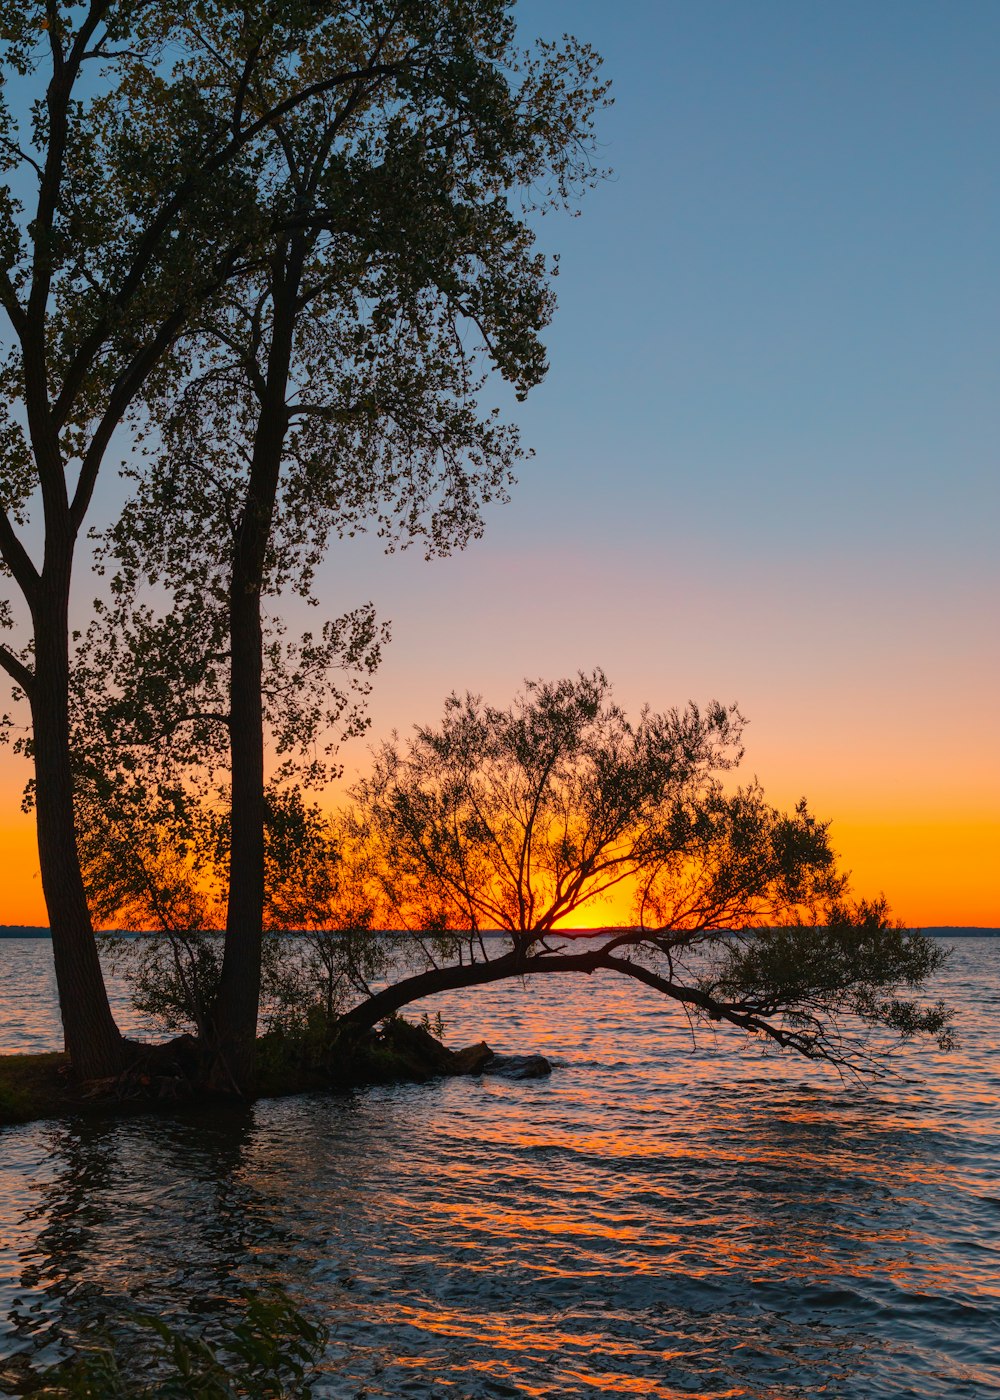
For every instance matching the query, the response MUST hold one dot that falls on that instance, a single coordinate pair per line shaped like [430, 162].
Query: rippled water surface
[658, 1218]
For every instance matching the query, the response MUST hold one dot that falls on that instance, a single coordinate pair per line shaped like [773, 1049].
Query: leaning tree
[518, 821]
[469, 853]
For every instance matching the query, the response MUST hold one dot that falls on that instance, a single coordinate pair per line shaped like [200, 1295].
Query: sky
[766, 451]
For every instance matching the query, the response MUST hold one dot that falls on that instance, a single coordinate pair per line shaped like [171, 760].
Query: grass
[35, 1086]
[42, 1086]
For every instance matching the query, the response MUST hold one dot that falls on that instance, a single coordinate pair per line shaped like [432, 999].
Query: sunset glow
[936, 873]
[765, 452]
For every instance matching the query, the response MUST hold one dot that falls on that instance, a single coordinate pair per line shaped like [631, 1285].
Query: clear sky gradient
[766, 451]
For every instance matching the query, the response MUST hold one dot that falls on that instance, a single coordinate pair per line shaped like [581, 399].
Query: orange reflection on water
[657, 1218]
[561, 1352]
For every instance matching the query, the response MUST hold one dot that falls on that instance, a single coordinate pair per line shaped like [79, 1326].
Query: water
[656, 1219]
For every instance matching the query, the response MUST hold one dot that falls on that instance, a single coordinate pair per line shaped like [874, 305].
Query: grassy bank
[43, 1086]
[36, 1086]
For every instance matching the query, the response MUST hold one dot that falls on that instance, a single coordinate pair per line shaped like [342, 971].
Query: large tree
[163, 163]
[334, 387]
[133, 193]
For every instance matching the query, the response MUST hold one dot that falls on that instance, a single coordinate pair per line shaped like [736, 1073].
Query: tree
[340, 384]
[174, 183]
[124, 211]
[466, 848]
[513, 820]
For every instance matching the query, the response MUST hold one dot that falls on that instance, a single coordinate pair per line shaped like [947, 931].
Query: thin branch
[210, 716]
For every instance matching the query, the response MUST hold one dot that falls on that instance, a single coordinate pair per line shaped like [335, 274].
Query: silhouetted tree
[515, 819]
[178, 170]
[467, 847]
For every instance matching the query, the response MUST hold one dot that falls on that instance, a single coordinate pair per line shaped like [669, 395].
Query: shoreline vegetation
[170, 1075]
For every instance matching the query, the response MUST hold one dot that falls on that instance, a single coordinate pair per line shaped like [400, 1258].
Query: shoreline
[165, 1075]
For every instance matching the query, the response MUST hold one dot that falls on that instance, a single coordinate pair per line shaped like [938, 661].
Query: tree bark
[93, 1041]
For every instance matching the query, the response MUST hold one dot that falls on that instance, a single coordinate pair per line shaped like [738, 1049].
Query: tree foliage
[513, 819]
[516, 819]
[259, 234]
[468, 849]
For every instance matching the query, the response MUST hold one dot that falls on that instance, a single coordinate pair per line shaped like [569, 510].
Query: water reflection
[147, 1214]
[650, 1221]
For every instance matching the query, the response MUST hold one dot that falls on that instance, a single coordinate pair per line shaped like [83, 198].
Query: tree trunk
[449, 979]
[234, 1017]
[513, 964]
[93, 1041]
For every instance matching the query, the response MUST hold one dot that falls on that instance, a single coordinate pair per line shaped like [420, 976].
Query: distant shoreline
[938, 931]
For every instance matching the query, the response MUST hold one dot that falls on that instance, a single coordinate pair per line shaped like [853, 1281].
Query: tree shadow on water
[146, 1215]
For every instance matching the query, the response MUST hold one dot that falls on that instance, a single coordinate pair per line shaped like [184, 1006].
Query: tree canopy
[209, 208]
[515, 820]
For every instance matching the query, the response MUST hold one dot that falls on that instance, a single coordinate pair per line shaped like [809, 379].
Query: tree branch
[430, 983]
[189, 718]
[17, 558]
[10, 303]
[17, 670]
[157, 230]
[126, 387]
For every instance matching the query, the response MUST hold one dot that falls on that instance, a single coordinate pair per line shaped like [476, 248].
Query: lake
[661, 1217]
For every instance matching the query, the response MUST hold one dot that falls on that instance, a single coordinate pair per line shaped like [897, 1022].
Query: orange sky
[936, 870]
[861, 692]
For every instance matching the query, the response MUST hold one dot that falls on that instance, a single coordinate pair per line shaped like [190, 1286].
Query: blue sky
[775, 355]
[780, 319]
